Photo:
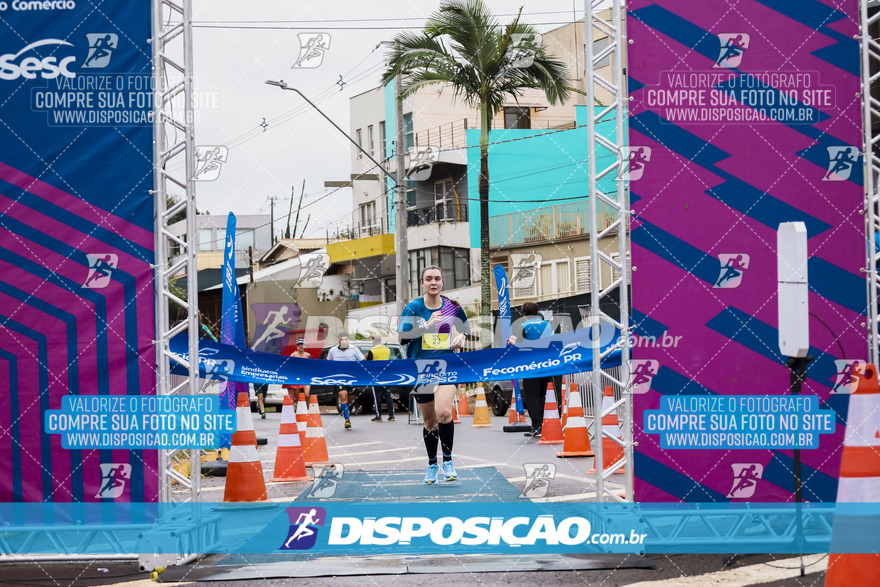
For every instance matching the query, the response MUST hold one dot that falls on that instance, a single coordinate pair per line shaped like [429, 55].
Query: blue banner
[562, 354]
[320, 527]
[77, 241]
[504, 318]
[231, 321]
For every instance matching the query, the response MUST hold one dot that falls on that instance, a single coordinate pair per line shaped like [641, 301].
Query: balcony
[543, 224]
[452, 135]
[437, 213]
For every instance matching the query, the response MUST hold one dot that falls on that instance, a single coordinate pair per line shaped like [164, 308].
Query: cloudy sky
[239, 45]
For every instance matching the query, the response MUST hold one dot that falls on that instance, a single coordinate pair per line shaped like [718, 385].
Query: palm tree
[463, 46]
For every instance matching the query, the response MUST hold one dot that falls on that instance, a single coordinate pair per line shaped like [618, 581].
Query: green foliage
[464, 47]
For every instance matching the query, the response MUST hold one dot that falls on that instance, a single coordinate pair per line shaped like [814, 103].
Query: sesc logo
[49, 67]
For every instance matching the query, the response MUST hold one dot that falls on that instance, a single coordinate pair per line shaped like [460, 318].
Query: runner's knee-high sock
[344, 410]
[447, 433]
[431, 441]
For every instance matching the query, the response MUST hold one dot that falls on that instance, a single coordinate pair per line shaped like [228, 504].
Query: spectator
[345, 352]
[534, 390]
[299, 353]
[380, 352]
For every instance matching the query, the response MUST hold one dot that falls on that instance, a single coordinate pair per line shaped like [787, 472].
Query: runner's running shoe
[348, 424]
[449, 471]
[431, 475]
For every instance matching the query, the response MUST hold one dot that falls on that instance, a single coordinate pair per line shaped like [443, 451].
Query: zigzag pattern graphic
[722, 188]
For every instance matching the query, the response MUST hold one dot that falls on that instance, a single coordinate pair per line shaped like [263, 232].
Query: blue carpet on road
[481, 484]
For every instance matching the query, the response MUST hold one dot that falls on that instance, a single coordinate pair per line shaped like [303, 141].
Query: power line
[342, 28]
[398, 19]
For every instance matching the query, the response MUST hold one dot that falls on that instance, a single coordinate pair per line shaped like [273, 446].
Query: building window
[410, 194]
[555, 278]
[516, 117]
[390, 290]
[382, 139]
[371, 140]
[454, 262]
[367, 216]
[444, 201]
[582, 274]
[615, 274]
[206, 239]
[244, 238]
[360, 141]
[408, 140]
[525, 281]
[600, 45]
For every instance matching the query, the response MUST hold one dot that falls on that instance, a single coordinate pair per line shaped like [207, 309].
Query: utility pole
[272, 221]
[400, 243]
[298, 208]
[400, 247]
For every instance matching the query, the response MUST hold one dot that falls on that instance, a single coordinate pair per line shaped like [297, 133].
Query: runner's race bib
[435, 342]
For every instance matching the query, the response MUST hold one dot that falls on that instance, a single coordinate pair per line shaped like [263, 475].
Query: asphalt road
[398, 446]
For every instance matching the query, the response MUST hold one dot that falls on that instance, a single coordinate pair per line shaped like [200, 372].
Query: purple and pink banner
[742, 117]
[76, 241]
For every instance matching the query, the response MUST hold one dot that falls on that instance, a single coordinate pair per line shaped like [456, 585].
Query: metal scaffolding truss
[615, 206]
[870, 26]
[173, 141]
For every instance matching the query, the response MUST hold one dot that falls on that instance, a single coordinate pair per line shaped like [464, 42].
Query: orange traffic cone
[514, 416]
[455, 419]
[551, 429]
[302, 417]
[566, 390]
[859, 484]
[315, 446]
[315, 411]
[481, 411]
[289, 462]
[463, 409]
[611, 450]
[577, 437]
[244, 473]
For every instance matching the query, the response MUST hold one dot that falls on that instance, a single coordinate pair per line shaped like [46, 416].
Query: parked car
[274, 398]
[499, 396]
[361, 398]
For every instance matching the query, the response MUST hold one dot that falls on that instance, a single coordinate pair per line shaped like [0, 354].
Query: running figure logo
[732, 268]
[311, 50]
[327, 478]
[101, 266]
[431, 372]
[632, 162]
[312, 269]
[219, 369]
[840, 163]
[538, 477]
[303, 532]
[274, 324]
[101, 47]
[524, 270]
[421, 161]
[113, 478]
[846, 374]
[733, 45]
[643, 371]
[209, 159]
[745, 480]
[523, 48]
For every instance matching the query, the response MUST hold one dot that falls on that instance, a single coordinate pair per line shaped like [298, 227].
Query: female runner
[426, 328]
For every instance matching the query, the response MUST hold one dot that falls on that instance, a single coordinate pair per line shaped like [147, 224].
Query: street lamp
[400, 244]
